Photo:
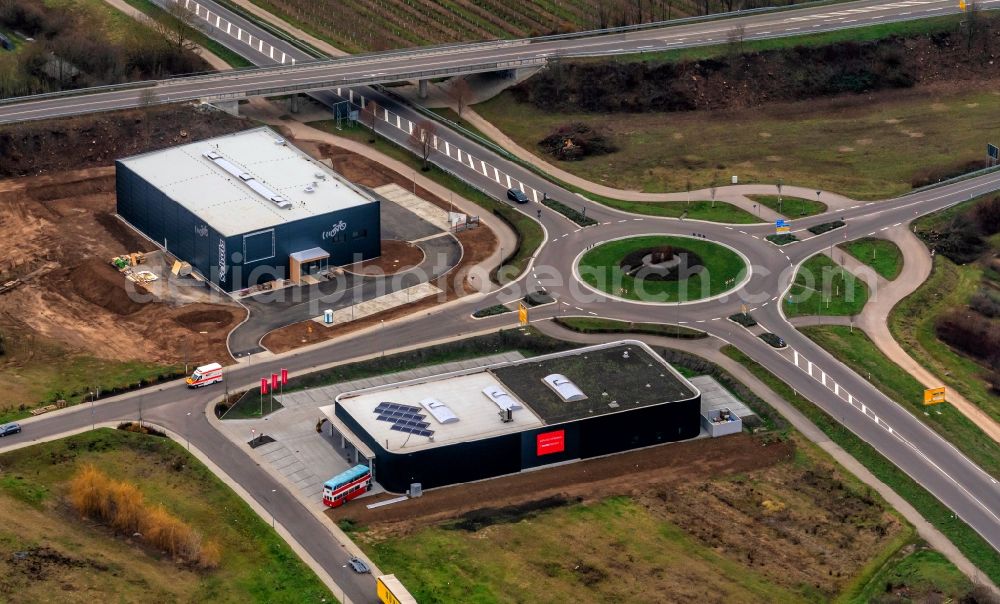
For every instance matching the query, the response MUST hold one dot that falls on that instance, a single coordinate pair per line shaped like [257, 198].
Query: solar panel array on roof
[404, 418]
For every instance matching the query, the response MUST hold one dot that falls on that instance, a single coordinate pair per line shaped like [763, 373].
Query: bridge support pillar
[293, 104]
[230, 107]
[422, 88]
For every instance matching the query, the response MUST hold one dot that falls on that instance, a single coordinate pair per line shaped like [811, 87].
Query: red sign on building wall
[550, 442]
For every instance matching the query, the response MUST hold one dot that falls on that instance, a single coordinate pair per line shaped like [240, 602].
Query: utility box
[416, 489]
[736, 179]
[328, 317]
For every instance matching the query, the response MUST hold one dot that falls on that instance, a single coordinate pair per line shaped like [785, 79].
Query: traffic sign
[782, 226]
[522, 313]
[934, 396]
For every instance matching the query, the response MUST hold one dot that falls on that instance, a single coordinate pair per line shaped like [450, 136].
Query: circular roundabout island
[662, 268]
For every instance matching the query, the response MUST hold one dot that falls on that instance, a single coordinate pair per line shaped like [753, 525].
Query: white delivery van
[205, 375]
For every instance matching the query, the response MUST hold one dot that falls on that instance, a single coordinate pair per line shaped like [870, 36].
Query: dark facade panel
[245, 259]
[511, 453]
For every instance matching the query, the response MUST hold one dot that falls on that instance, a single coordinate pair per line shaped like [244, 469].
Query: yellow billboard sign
[522, 313]
[934, 396]
[391, 591]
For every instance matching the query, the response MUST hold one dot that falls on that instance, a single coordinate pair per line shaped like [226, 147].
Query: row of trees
[75, 46]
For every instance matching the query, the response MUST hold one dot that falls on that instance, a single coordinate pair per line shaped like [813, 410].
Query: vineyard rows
[384, 24]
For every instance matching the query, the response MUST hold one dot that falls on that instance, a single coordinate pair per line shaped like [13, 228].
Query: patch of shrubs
[539, 297]
[572, 142]
[826, 227]
[782, 238]
[573, 214]
[963, 240]
[490, 311]
[971, 333]
[986, 302]
[744, 319]
[140, 429]
[772, 339]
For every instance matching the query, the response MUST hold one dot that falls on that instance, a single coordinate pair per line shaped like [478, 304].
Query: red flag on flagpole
[284, 377]
[274, 381]
[263, 385]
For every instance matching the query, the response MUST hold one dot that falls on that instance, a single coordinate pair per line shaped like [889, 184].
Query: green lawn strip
[882, 255]
[255, 561]
[920, 570]
[530, 233]
[719, 211]
[912, 325]
[858, 352]
[822, 287]
[791, 207]
[150, 9]
[723, 268]
[854, 34]
[490, 311]
[968, 541]
[577, 216]
[252, 406]
[595, 325]
[72, 377]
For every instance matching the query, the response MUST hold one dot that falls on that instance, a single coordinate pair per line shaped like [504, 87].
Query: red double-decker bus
[347, 485]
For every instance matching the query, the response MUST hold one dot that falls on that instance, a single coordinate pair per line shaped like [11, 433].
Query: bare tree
[422, 138]
[370, 114]
[177, 26]
[461, 93]
[713, 188]
[972, 23]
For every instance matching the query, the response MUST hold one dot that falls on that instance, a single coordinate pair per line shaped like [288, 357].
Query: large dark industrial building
[247, 208]
[501, 419]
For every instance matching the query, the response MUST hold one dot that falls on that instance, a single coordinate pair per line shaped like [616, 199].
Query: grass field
[857, 351]
[622, 549]
[960, 534]
[880, 254]
[823, 287]
[74, 560]
[597, 325]
[867, 147]
[529, 231]
[914, 569]
[723, 268]
[790, 206]
[52, 373]
[719, 211]
[912, 325]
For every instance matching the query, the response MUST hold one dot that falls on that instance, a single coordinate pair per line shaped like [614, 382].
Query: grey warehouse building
[247, 208]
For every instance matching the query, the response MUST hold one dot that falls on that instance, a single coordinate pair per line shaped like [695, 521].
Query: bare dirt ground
[477, 244]
[61, 233]
[634, 472]
[397, 256]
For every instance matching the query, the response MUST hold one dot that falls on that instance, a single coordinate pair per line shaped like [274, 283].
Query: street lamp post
[187, 430]
[273, 491]
[93, 422]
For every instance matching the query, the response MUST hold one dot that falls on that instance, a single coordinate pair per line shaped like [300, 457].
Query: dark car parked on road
[8, 429]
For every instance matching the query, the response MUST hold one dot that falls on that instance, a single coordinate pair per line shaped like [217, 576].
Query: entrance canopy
[310, 255]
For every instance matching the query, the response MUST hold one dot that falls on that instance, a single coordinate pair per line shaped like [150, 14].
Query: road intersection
[897, 434]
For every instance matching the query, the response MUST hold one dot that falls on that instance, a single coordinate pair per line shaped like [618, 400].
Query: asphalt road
[460, 58]
[891, 429]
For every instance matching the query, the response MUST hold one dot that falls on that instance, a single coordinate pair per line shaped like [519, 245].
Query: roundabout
[661, 269]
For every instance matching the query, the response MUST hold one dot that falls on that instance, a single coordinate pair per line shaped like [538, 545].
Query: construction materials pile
[125, 264]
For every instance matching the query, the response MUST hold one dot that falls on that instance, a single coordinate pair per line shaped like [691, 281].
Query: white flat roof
[478, 416]
[231, 205]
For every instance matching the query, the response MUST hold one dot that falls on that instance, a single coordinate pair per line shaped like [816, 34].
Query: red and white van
[205, 375]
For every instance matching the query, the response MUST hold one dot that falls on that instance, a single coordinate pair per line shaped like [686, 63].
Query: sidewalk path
[873, 319]
[709, 348]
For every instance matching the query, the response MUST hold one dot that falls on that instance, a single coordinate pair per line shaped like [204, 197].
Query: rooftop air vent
[441, 412]
[502, 398]
[564, 387]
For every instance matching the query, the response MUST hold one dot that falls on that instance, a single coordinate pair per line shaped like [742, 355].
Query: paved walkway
[270, 113]
[709, 348]
[873, 320]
